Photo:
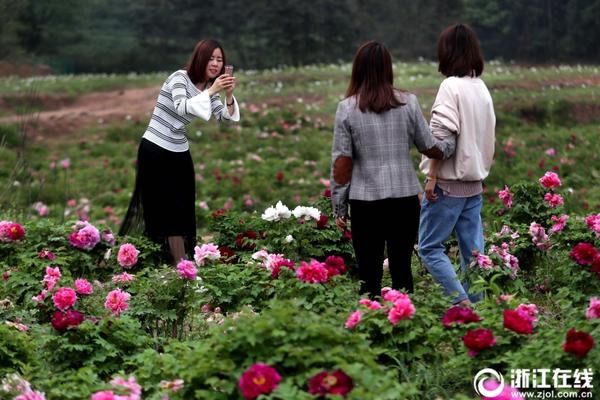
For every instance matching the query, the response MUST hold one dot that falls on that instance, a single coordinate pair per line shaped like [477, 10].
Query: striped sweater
[179, 102]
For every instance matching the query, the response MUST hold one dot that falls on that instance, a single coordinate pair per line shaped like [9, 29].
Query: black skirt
[163, 201]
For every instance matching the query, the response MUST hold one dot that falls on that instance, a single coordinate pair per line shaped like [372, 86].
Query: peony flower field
[267, 306]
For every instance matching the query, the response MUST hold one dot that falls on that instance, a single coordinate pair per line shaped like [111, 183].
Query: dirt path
[90, 109]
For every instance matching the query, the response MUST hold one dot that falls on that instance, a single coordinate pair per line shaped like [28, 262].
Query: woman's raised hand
[223, 82]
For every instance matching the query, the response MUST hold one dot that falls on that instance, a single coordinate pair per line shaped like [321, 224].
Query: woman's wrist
[230, 103]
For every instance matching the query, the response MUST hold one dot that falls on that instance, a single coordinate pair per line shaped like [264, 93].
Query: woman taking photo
[375, 127]
[463, 109]
[163, 202]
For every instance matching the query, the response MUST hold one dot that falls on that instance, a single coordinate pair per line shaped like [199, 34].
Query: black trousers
[393, 222]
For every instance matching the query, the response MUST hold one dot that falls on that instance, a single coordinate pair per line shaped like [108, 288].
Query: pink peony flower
[484, 262]
[353, 319]
[508, 393]
[371, 304]
[31, 395]
[64, 298]
[103, 395]
[506, 197]
[479, 339]
[390, 294]
[208, 251]
[593, 310]
[539, 236]
[459, 315]
[530, 310]
[128, 255]
[559, 223]
[315, 272]
[108, 237]
[65, 163]
[52, 276]
[403, 309]
[83, 286]
[550, 180]
[86, 236]
[593, 222]
[554, 200]
[134, 389]
[116, 301]
[551, 151]
[187, 270]
[123, 278]
[584, 254]
[40, 297]
[258, 379]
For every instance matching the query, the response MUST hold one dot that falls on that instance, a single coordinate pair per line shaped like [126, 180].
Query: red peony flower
[279, 176]
[584, 254]
[479, 339]
[459, 315]
[227, 253]
[578, 343]
[336, 382]
[518, 321]
[242, 243]
[347, 235]
[322, 222]
[46, 254]
[335, 265]
[63, 320]
[327, 193]
[258, 379]
[219, 213]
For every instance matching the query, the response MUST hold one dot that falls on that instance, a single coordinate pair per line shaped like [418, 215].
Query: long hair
[196, 66]
[459, 52]
[372, 80]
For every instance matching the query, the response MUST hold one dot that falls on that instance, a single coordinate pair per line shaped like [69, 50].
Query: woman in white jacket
[452, 201]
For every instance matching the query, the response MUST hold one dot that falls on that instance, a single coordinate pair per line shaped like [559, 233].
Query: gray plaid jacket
[379, 145]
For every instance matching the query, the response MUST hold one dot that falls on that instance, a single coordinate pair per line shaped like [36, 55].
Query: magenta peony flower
[506, 197]
[578, 343]
[83, 286]
[258, 379]
[116, 301]
[134, 389]
[353, 319]
[86, 236]
[315, 272]
[554, 200]
[371, 304]
[593, 310]
[336, 383]
[104, 395]
[459, 315]
[478, 339]
[508, 393]
[550, 180]
[63, 320]
[205, 252]
[559, 223]
[518, 321]
[584, 254]
[51, 278]
[187, 270]
[128, 255]
[278, 264]
[11, 231]
[64, 298]
[539, 237]
[403, 309]
[47, 255]
[390, 294]
[484, 262]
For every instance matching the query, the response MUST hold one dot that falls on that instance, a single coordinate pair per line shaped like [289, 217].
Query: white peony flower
[307, 213]
[289, 239]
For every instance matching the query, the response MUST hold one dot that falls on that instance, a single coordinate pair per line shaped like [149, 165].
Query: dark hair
[196, 66]
[372, 80]
[459, 52]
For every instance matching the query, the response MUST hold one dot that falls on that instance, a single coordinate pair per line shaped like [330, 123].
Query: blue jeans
[438, 220]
